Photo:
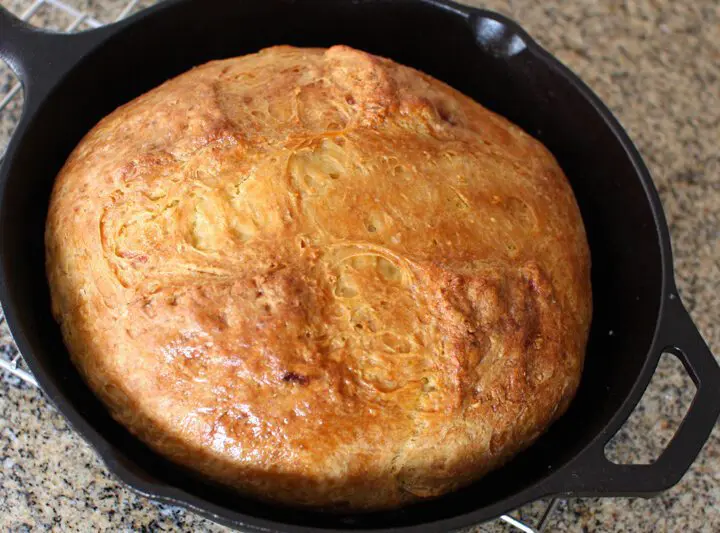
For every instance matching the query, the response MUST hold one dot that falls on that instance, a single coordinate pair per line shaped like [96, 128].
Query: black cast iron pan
[71, 82]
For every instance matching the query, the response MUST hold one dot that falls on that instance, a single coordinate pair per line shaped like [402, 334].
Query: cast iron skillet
[71, 82]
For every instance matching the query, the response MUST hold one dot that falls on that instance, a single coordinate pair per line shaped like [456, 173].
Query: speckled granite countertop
[656, 63]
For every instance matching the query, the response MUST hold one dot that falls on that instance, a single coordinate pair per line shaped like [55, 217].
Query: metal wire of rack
[13, 364]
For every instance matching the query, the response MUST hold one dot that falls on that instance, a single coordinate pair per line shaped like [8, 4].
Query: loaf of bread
[321, 277]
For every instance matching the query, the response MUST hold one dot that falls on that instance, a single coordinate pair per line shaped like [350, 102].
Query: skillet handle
[18, 43]
[40, 58]
[595, 475]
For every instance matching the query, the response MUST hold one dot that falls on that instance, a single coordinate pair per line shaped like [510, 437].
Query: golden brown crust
[321, 277]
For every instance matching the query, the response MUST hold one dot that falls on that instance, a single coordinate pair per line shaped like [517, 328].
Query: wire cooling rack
[61, 16]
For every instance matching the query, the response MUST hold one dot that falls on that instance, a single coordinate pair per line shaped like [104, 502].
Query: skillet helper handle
[595, 475]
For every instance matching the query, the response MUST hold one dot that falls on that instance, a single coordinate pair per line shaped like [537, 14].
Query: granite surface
[656, 63]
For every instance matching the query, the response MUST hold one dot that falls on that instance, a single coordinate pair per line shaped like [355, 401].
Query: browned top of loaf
[321, 277]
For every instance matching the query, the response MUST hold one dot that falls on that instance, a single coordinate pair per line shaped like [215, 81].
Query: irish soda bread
[321, 277]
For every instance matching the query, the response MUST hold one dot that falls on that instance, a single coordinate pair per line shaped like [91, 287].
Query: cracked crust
[321, 277]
